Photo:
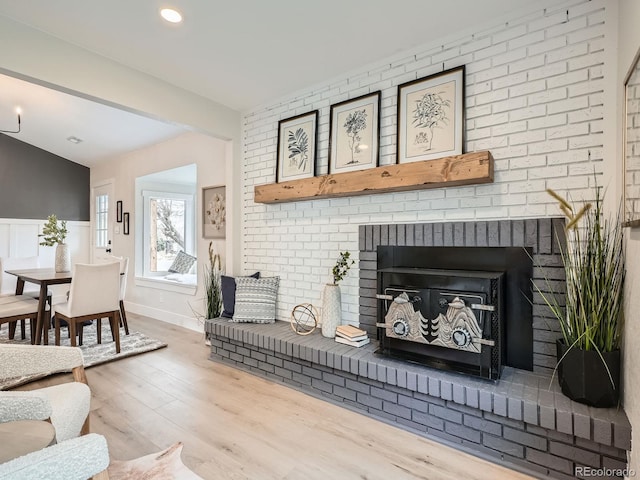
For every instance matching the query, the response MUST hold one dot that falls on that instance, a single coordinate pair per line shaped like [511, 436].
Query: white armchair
[66, 405]
[75, 459]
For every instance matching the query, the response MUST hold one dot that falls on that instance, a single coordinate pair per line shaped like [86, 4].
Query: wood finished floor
[238, 426]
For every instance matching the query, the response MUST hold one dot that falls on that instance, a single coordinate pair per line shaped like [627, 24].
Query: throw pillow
[256, 300]
[182, 263]
[228, 288]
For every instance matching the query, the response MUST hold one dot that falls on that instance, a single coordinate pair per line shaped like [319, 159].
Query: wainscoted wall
[535, 89]
[19, 238]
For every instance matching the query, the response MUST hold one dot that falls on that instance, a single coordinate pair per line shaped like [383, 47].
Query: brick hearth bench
[522, 421]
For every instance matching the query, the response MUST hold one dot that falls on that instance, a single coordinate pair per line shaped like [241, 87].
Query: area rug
[93, 353]
[156, 466]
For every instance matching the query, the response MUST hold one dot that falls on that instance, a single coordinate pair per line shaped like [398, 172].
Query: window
[102, 217]
[168, 229]
[164, 225]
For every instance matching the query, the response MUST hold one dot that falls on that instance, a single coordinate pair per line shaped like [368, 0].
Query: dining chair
[124, 272]
[14, 308]
[8, 284]
[94, 294]
[65, 405]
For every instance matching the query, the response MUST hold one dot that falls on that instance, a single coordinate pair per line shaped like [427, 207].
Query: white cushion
[75, 459]
[70, 405]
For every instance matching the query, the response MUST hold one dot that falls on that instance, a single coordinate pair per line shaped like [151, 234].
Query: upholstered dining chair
[65, 405]
[94, 294]
[75, 459]
[124, 272]
[8, 285]
[14, 308]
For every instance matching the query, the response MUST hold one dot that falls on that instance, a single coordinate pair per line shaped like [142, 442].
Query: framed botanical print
[297, 137]
[431, 116]
[354, 137]
[214, 212]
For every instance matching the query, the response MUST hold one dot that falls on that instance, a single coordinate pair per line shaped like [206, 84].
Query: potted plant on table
[331, 298]
[55, 233]
[592, 316]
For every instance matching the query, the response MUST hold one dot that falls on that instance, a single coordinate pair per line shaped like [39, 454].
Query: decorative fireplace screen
[448, 319]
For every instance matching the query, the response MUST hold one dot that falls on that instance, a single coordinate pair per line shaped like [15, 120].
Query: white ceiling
[240, 53]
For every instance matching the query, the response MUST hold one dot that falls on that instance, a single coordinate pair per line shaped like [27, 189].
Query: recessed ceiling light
[75, 140]
[171, 15]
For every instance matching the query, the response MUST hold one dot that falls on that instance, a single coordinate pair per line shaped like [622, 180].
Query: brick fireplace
[521, 420]
[538, 234]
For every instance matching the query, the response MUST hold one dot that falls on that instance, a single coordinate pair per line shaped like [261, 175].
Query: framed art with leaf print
[431, 116]
[297, 137]
[354, 137]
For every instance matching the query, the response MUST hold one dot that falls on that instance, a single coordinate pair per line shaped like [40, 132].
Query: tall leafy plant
[212, 273]
[593, 260]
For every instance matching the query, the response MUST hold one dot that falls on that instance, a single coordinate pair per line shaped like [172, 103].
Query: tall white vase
[331, 310]
[63, 258]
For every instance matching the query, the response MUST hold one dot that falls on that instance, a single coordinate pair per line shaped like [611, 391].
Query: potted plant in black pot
[591, 312]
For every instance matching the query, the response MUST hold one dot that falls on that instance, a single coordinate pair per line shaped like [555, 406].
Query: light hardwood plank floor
[238, 426]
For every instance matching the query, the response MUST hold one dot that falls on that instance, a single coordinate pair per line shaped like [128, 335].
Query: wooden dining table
[45, 277]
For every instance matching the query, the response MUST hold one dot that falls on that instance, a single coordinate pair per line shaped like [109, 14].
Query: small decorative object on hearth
[591, 322]
[55, 234]
[304, 319]
[331, 298]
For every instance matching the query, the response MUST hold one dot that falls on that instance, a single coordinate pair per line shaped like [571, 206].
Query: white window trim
[190, 234]
[168, 285]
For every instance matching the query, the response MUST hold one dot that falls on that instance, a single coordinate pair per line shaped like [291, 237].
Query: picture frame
[354, 134]
[431, 116]
[125, 224]
[119, 211]
[214, 211]
[297, 146]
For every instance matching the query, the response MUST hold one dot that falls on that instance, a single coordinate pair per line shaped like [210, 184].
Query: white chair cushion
[22, 307]
[70, 404]
[75, 459]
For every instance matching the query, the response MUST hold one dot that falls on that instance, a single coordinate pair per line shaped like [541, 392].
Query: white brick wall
[534, 95]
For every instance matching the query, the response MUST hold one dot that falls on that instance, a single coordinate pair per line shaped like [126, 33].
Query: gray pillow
[182, 263]
[256, 300]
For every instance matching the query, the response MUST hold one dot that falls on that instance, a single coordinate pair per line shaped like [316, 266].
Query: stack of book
[350, 335]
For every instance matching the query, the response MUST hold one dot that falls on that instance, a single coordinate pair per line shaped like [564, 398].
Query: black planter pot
[584, 378]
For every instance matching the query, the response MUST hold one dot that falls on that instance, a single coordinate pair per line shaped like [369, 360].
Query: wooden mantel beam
[465, 169]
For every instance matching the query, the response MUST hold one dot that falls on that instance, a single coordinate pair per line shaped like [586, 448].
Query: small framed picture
[214, 212]
[297, 138]
[119, 211]
[431, 117]
[354, 137]
[125, 224]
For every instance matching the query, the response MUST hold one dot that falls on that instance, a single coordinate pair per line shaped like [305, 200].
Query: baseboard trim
[165, 316]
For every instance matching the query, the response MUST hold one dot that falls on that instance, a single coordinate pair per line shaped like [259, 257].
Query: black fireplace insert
[466, 309]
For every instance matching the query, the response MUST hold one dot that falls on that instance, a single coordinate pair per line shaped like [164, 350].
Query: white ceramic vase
[331, 310]
[63, 258]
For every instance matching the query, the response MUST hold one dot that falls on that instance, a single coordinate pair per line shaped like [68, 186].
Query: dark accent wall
[35, 183]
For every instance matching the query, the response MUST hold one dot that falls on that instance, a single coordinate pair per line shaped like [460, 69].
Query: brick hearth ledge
[522, 421]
